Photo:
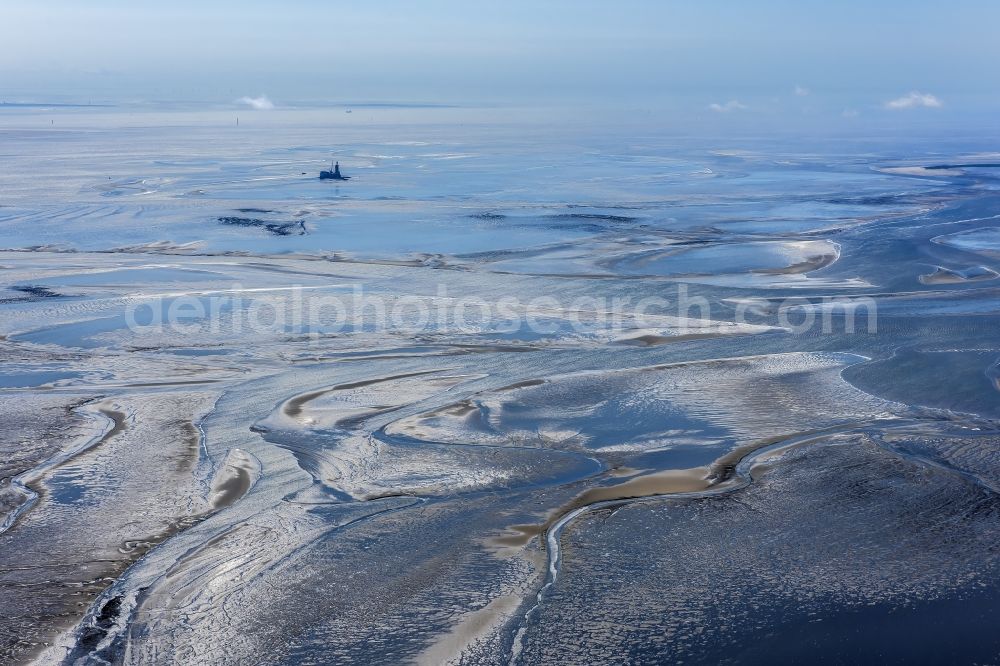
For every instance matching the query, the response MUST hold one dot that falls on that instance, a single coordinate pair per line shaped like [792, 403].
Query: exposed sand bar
[234, 478]
[728, 473]
[109, 423]
[293, 407]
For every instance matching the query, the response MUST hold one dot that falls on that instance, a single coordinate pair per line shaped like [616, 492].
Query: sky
[915, 56]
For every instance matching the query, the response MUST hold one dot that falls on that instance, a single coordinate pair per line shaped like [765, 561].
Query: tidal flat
[519, 392]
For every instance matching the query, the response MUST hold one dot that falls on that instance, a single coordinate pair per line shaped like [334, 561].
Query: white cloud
[801, 92]
[261, 103]
[849, 113]
[914, 100]
[731, 105]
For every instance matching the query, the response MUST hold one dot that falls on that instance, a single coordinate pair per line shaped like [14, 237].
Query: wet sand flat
[485, 403]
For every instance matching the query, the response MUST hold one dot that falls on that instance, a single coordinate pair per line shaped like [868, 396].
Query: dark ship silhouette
[333, 174]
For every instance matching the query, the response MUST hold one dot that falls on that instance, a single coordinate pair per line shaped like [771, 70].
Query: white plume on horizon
[731, 105]
[261, 103]
[914, 100]
[801, 92]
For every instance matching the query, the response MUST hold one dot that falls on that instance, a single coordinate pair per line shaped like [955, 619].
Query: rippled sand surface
[520, 392]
